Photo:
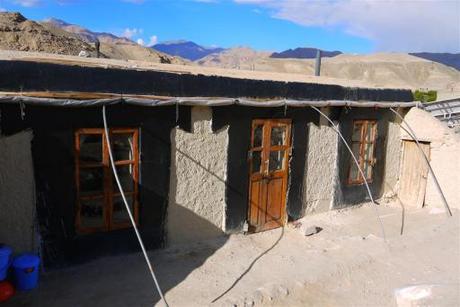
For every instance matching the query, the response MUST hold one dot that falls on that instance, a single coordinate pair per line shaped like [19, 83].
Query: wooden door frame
[265, 149]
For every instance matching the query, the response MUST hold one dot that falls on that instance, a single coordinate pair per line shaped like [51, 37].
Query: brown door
[268, 165]
[414, 174]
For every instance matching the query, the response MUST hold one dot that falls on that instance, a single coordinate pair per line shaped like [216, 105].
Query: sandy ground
[346, 264]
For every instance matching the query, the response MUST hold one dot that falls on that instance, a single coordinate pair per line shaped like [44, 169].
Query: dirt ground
[347, 263]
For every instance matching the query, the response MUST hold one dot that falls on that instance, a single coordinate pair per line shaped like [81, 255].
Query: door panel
[414, 174]
[268, 159]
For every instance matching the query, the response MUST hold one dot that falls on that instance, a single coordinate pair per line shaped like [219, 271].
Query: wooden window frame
[362, 144]
[108, 193]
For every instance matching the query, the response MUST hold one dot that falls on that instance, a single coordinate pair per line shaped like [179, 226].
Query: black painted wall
[21, 76]
[239, 120]
[53, 153]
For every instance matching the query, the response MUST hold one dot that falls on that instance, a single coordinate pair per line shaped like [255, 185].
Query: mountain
[303, 53]
[238, 57]
[449, 59]
[19, 33]
[85, 34]
[379, 69]
[112, 46]
[186, 49]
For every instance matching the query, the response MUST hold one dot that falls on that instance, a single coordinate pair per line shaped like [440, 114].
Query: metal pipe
[414, 137]
[359, 168]
[318, 63]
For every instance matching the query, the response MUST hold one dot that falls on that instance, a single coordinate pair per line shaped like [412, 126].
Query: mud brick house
[200, 152]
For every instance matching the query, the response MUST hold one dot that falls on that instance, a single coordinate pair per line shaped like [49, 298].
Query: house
[201, 152]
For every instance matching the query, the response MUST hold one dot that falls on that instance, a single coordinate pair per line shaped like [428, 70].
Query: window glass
[125, 174]
[258, 136]
[276, 160]
[357, 128]
[91, 181]
[368, 151]
[354, 172]
[122, 146]
[90, 148]
[92, 213]
[370, 132]
[119, 214]
[256, 161]
[278, 136]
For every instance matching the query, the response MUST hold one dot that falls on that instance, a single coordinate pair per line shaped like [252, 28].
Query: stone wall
[17, 193]
[198, 180]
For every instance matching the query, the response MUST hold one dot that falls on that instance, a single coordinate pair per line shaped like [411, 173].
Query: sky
[352, 26]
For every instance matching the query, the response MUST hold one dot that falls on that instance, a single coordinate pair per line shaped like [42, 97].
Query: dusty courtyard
[346, 264]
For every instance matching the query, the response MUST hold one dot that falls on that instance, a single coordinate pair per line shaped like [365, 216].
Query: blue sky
[273, 25]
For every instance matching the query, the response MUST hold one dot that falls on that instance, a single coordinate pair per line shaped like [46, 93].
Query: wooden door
[414, 174]
[268, 173]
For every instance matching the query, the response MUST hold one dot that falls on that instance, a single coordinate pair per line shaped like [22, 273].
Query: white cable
[129, 210]
[359, 168]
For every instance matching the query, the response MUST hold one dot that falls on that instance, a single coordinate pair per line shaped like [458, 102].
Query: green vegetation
[425, 95]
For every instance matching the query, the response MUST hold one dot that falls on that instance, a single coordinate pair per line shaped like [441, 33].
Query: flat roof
[190, 69]
[24, 73]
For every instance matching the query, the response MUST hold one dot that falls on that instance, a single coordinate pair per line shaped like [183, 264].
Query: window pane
[367, 170]
[256, 161]
[276, 160]
[278, 136]
[125, 174]
[91, 181]
[90, 147]
[258, 136]
[122, 146]
[120, 214]
[354, 172]
[92, 213]
[370, 132]
[357, 127]
[368, 151]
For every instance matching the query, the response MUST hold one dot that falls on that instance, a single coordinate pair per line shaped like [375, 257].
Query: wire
[359, 168]
[141, 243]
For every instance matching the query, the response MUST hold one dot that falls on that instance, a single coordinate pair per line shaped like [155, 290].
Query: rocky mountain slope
[56, 36]
[186, 49]
[239, 57]
[380, 69]
[18, 33]
[449, 59]
[112, 46]
[303, 53]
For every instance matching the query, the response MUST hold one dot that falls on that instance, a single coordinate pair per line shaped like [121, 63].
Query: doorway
[268, 173]
[414, 174]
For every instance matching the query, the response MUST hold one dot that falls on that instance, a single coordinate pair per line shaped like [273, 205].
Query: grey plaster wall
[17, 193]
[196, 208]
[321, 180]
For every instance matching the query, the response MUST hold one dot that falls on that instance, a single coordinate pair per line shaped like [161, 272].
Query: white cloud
[28, 3]
[153, 40]
[132, 33]
[393, 25]
[140, 41]
[2, 9]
